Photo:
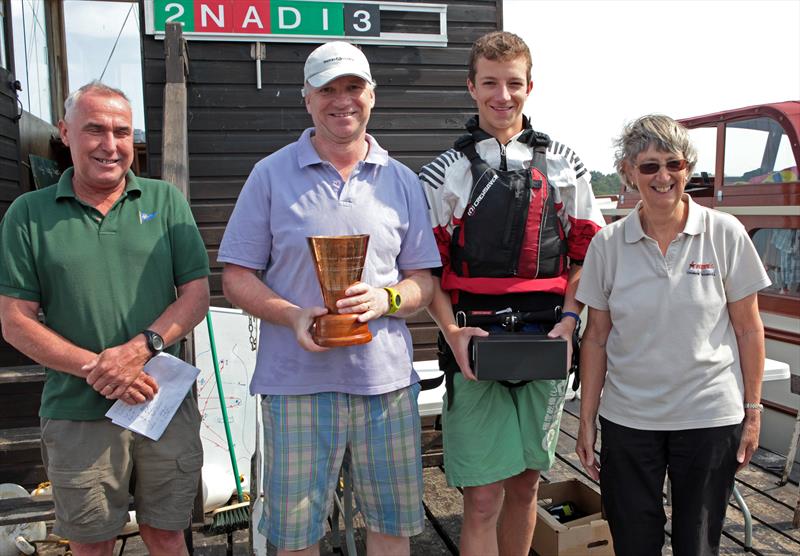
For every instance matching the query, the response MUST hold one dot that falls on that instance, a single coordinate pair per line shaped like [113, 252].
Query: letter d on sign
[283, 18]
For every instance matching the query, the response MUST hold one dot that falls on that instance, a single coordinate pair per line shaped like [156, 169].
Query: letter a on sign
[251, 16]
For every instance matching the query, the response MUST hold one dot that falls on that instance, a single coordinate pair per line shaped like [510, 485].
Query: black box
[514, 356]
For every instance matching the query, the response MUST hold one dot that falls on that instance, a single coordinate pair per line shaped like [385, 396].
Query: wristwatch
[155, 342]
[394, 300]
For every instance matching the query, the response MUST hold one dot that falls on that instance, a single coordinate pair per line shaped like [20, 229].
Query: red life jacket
[510, 227]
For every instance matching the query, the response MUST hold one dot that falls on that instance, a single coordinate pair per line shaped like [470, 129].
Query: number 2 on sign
[178, 13]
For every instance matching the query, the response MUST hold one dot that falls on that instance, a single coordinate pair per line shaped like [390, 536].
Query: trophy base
[340, 331]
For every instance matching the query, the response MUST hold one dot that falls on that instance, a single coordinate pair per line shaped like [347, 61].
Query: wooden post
[175, 169]
[175, 133]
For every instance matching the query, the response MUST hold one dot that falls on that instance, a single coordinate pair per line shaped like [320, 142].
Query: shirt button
[337, 183]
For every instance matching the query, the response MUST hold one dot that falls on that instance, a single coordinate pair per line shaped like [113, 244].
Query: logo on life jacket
[482, 194]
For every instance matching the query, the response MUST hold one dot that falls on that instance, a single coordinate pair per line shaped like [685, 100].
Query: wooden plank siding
[422, 104]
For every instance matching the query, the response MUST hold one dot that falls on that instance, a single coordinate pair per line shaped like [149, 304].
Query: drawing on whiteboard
[237, 362]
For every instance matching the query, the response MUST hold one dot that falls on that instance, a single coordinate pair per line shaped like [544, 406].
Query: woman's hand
[749, 443]
[584, 447]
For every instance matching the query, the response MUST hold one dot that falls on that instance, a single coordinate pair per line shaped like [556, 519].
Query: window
[704, 140]
[758, 151]
[103, 43]
[3, 54]
[780, 252]
[30, 56]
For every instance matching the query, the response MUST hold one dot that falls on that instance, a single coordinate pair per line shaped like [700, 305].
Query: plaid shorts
[306, 440]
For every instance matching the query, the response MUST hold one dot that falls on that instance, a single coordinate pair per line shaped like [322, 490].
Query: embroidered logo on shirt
[703, 269]
[144, 217]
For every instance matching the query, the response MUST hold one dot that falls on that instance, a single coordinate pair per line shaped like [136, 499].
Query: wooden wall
[421, 106]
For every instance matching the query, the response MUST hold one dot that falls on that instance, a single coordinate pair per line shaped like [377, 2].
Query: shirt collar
[695, 221]
[64, 187]
[308, 155]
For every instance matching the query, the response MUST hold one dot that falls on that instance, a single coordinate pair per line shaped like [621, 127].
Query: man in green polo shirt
[118, 268]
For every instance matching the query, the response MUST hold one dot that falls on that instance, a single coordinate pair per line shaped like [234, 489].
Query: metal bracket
[258, 52]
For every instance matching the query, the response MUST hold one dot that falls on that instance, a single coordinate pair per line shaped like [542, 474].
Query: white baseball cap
[333, 60]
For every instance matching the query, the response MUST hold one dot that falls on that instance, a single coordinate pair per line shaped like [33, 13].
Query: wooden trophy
[339, 262]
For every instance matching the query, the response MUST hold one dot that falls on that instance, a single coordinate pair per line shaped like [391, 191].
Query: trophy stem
[340, 331]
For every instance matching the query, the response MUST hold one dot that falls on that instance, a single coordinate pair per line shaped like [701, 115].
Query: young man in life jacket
[513, 214]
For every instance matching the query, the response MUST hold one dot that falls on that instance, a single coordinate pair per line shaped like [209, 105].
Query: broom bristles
[228, 519]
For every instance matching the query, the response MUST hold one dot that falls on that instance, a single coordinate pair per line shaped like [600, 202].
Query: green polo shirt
[99, 280]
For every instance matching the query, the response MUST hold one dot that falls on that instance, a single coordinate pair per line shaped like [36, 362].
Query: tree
[605, 184]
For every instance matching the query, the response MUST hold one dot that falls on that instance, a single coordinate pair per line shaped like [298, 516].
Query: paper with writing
[150, 419]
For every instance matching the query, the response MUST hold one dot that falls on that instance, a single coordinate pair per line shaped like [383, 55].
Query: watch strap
[394, 300]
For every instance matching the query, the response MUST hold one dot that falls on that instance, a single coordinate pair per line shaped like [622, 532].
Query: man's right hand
[141, 390]
[458, 340]
[116, 368]
[302, 320]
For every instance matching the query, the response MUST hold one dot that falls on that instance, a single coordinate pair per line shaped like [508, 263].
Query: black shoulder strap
[466, 145]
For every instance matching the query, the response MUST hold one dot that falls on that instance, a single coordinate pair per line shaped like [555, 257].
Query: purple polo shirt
[293, 194]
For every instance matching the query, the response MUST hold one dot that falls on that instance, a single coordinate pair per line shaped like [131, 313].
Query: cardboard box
[586, 536]
[512, 356]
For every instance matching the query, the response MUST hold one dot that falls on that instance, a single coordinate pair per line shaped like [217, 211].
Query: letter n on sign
[214, 16]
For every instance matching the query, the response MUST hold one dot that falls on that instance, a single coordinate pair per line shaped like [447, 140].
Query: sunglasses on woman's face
[650, 168]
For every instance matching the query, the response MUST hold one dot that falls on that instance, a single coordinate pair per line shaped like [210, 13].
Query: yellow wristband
[394, 300]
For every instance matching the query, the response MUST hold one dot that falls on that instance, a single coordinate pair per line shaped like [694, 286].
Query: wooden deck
[771, 506]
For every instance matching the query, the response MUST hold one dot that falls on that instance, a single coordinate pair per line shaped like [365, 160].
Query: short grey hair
[96, 87]
[653, 130]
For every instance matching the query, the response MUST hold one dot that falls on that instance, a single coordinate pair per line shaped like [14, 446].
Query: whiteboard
[237, 362]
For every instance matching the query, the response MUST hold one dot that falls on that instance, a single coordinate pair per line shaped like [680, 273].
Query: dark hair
[499, 46]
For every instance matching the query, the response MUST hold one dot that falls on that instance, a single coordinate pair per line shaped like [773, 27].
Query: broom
[227, 519]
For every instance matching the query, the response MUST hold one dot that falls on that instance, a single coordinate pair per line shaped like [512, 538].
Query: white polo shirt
[673, 360]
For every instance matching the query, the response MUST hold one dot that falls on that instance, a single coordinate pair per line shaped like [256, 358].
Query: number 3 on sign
[362, 20]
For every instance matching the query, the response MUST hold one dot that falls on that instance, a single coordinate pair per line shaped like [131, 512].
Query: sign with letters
[310, 21]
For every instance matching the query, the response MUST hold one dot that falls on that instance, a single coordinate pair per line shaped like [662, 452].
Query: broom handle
[222, 406]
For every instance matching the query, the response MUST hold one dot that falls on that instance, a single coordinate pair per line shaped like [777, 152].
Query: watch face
[157, 342]
[154, 341]
[398, 300]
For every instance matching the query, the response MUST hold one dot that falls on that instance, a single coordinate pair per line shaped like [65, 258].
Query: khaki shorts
[94, 466]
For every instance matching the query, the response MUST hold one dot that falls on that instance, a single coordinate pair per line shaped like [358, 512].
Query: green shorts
[91, 464]
[493, 432]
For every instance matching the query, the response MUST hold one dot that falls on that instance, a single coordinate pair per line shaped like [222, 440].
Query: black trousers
[701, 464]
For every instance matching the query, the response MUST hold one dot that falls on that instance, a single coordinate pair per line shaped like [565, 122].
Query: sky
[598, 65]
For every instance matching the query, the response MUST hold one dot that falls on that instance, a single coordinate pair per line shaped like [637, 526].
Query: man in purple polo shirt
[320, 403]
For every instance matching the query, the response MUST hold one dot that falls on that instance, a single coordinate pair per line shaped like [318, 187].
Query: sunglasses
[650, 168]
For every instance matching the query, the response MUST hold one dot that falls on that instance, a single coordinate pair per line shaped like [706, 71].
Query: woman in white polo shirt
[675, 344]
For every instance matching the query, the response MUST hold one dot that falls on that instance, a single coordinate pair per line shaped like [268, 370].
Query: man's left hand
[116, 368]
[362, 298]
[749, 443]
[564, 329]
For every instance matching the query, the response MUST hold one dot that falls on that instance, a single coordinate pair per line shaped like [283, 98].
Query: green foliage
[605, 184]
